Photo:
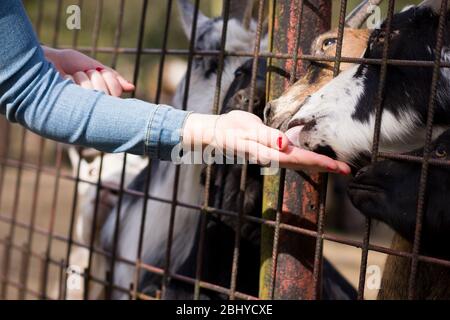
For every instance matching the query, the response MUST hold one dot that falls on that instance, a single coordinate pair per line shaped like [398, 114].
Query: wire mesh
[21, 232]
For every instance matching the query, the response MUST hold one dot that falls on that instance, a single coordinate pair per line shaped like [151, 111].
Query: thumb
[126, 85]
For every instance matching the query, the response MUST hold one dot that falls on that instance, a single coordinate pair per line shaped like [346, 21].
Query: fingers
[271, 138]
[103, 79]
[97, 81]
[126, 85]
[298, 159]
[68, 77]
[254, 129]
[113, 75]
[291, 158]
[82, 80]
[113, 84]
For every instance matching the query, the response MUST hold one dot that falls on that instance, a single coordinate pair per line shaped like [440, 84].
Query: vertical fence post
[2, 139]
[292, 276]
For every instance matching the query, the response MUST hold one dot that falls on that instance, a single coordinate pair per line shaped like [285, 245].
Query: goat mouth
[295, 123]
[369, 188]
[281, 123]
[359, 162]
[326, 151]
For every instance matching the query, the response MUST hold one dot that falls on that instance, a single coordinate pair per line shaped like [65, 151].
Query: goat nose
[243, 98]
[361, 172]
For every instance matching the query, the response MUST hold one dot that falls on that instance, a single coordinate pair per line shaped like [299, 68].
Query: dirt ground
[345, 258]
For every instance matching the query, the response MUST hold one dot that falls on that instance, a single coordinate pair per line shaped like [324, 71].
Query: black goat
[387, 191]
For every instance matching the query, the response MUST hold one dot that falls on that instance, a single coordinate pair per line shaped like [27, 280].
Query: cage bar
[289, 277]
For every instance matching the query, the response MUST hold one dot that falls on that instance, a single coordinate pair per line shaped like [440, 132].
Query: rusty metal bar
[276, 236]
[136, 294]
[26, 263]
[207, 188]
[51, 226]
[173, 208]
[421, 203]
[99, 186]
[300, 201]
[280, 56]
[12, 228]
[58, 161]
[376, 142]
[122, 178]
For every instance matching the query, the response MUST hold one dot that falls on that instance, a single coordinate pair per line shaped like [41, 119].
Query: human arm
[33, 94]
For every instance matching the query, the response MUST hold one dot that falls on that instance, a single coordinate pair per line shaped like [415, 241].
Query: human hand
[87, 72]
[245, 135]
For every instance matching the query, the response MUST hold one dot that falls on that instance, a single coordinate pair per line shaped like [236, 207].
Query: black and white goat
[201, 96]
[340, 117]
[387, 191]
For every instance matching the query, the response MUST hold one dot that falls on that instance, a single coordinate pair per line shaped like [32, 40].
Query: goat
[386, 191]
[87, 195]
[202, 89]
[280, 111]
[339, 119]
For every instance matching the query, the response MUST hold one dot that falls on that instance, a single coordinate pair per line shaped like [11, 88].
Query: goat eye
[441, 152]
[238, 73]
[328, 43]
[211, 67]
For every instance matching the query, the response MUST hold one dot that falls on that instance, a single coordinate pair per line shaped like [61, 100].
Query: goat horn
[359, 15]
[246, 21]
[238, 8]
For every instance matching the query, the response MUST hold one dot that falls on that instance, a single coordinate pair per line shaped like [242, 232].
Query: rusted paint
[295, 259]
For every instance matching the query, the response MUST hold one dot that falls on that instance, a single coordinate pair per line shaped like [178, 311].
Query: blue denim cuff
[164, 132]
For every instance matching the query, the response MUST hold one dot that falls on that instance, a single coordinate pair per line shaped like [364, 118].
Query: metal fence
[292, 254]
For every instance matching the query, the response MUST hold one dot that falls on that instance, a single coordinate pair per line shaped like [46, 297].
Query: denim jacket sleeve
[33, 94]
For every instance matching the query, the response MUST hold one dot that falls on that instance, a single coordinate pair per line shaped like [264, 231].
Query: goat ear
[187, 10]
[434, 4]
[74, 157]
[240, 8]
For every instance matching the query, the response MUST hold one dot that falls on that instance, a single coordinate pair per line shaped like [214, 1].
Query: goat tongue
[293, 135]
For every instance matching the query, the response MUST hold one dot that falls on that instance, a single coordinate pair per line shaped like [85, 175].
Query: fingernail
[333, 169]
[99, 69]
[280, 142]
